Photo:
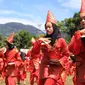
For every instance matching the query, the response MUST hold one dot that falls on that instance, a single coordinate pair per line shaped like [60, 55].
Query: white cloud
[73, 4]
[10, 13]
[7, 12]
[6, 20]
[24, 18]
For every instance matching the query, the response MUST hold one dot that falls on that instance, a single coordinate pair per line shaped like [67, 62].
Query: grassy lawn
[68, 81]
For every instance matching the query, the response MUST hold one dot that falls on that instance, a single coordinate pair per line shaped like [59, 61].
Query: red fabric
[75, 43]
[74, 80]
[1, 62]
[50, 18]
[13, 56]
[78, 49]
[34, 71]
[31, 78]
[1, 54]
[10, 75]
[21, 75]
[80, 83]
[18, 61]
[10, 80]
[28, 53]
[36, 45]
[50, 81]
[10, 70]
[34, 74]
[27, 63]
[60, 47]
[10, 55]
[10, 38]
[53, 54]
[82, 10]
[34, 62]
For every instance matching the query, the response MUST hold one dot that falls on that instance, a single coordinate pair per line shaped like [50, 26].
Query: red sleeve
[75, 42]
[28, 53]
[1, 54]
[18, 61]
[18, 55]
[71, 44]
[36, 47]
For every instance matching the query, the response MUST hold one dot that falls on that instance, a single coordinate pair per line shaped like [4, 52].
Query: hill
[7, 28]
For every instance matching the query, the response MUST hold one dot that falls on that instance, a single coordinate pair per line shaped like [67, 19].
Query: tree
[1, 41]
[70, 25]
[22, 39]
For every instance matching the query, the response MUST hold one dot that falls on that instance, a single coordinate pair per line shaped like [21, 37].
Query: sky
[34, 12]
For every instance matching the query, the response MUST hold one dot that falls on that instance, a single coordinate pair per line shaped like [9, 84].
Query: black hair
[73, 58]
[55, 35]
[10, 45]
[22, 55]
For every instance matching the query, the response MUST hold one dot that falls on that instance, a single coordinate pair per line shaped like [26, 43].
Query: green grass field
[68, 81]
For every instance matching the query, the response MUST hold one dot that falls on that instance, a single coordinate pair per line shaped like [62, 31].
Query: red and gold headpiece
[50, 18]
[10, 38]
[82, 10]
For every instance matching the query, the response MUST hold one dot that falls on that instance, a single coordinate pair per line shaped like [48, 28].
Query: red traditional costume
[2, 60]
[77, 47]
[22, 69]
[12, 57]
[51, 59]
[34, 65]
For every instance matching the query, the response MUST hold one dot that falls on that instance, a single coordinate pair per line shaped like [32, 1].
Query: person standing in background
[12, 61]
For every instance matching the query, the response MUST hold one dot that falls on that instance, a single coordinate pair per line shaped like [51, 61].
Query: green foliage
[61, 26]
[1, 41]
[70, 25]
[22, 39]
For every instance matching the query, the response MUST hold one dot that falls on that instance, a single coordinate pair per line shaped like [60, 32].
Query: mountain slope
[7, 28]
